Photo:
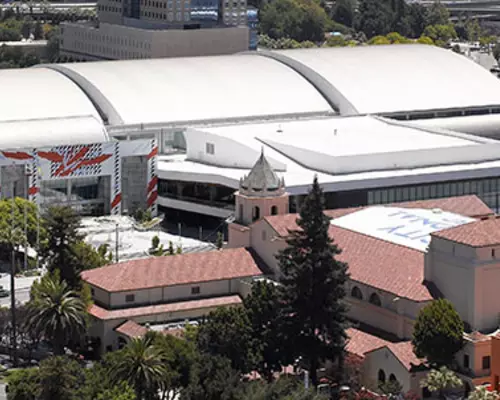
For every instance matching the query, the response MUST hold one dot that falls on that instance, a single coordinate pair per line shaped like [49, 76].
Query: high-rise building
[131, 29]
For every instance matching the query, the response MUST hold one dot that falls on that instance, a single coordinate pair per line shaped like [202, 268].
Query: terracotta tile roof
[404, 353]
[476, 234]
[468, 206]
[131, 329]
[361, 342]
[127, 313]
[176, 270]
[477, 336]
[387, 266]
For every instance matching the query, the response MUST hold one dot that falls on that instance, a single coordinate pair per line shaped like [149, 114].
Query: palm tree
[441, 380]
[57, 313]
[142, 365]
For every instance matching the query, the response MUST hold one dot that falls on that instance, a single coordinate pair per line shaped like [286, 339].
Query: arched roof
[39, 93]
[195, 89]
[394, 78]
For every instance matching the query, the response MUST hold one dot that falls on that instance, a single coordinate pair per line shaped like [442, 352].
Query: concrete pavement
[22, 285]
[3, 395]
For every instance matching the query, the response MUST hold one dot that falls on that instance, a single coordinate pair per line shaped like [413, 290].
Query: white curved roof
[195, 89]
[39, 93]
[396, 78]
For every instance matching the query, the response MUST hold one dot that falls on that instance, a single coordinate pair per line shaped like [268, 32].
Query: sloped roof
[175, 270]
[261, 177]
[485, 232]
[127, 313]
[131, 329]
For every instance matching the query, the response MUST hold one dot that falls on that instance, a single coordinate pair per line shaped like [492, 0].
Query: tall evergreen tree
[313, 287]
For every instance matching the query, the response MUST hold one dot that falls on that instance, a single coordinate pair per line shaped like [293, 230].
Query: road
[22, 285]
[3, 395]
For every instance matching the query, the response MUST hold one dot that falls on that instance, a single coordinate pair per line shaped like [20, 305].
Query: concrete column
[180, 186]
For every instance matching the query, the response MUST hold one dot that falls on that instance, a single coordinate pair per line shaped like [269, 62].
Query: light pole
[117, 239]
[12, 282]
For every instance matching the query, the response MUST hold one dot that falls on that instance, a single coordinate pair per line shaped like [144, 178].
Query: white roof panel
[171, 90]
[406, 227]
[40, 93]
[388, 79]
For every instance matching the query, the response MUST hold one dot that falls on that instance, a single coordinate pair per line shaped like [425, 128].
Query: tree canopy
[438, 332]
[312, 287]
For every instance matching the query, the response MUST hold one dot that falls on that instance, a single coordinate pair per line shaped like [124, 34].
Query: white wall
[384, 359]
[175, 293]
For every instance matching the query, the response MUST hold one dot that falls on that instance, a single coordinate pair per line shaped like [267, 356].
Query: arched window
[381, 376]
[375, 299]
[256, 213]
[392, 378]
[274, 210]
[356, 293]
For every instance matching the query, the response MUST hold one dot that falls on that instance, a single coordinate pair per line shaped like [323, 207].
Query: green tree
[38, 31]
[263, 309]
[313, 287]
[374, 18]
[226, 332]
[418, 20]
[179, 356]
[425, 40]
[57, 313]
[437, 14]
[219, 243]
[60, 379]
[343, 12]
[440, 381]
[122, 391]
[438, 332]
[62, 224]
[440, 34]
[496, 51]
[85, 256]
[23, 384]
[336, 41]
[212, 378]
[171, 248]
[141, 365]
[300, 20]
[396, 38]
[155, 242]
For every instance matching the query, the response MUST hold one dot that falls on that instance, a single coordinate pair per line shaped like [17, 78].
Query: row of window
[109, 9]
[108, 39]
[488, 189]
[373, 299]
[486, 362]
[162, 4]
[235, 4]
[168, 17]
[85, 47]
[130, 298]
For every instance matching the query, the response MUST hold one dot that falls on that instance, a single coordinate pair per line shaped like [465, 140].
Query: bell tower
[261, 193]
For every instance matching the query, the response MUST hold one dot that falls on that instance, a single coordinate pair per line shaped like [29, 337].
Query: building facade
[95, 179]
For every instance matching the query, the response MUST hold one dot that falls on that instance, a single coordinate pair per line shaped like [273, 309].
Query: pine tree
[313, 287]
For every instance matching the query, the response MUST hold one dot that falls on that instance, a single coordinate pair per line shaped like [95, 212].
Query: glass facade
[204, 10]
[488, 189]
[253, 25]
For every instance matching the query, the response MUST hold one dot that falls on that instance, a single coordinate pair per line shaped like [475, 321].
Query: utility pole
[13, 283]
[117, 240]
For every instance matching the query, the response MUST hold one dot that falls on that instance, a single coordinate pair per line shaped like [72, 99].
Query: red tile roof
[176, 270]
[361, 343]
[127, 313]
[131, 329]
[387, 266]
[468, 206]
[476, 234]
[375, 262]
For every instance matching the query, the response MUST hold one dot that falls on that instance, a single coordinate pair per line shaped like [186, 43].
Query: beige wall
[468, 278]
[476, 352]
[176, 293]
[121, 42]
[245, 206]
[384, 359]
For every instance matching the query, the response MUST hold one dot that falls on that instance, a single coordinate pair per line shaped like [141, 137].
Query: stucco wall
[384, 359]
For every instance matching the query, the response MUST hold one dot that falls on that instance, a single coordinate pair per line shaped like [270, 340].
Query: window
[492, 253]
[274, 210]
[256, 213]
[195, 290]
[486, 362]
[240, 212]
[375, 299]
[92, 291]
[356, 293]
[129, 298]
[466, 361]
[392, 378]
[209, 147]
[381, 376]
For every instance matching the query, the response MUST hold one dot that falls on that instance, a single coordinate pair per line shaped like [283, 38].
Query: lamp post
[12, 282]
